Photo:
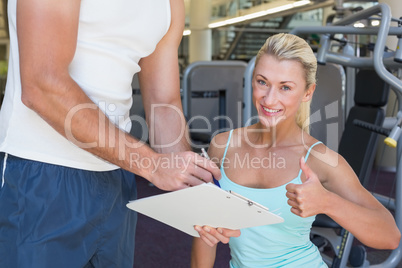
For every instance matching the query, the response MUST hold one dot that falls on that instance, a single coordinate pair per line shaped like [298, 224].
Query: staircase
[243, 42]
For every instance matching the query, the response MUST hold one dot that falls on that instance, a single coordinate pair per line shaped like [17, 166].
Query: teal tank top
[284, 244]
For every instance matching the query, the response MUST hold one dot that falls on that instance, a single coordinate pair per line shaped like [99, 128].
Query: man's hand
[176, 171]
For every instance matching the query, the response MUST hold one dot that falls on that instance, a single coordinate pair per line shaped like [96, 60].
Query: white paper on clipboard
[205, 204]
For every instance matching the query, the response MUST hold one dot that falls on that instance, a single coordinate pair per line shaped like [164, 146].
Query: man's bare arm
[48, 89]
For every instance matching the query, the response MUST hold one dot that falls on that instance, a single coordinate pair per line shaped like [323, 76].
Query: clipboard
[205, 204]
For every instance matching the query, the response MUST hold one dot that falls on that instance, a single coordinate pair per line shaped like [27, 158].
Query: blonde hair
[291, 47]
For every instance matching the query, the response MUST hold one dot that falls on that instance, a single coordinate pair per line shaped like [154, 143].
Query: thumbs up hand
[306, 199]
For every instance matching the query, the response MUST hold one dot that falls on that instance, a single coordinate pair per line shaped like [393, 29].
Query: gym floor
[159, 245]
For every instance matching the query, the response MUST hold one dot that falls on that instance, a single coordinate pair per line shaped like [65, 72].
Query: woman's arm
[202, 255]
[339, 194]
[358, 211]
[204, 249]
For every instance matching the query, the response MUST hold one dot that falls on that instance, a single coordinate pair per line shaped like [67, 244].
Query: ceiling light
[258, 14]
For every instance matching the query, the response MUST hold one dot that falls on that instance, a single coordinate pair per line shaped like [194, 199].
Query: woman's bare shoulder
[326, 162]
[220, 141]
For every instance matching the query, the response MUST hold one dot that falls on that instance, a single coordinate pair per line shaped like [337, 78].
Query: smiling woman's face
[279, 86]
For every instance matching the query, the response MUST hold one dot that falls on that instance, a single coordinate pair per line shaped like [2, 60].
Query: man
[67, 160]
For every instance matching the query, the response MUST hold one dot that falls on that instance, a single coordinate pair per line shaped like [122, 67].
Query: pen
[205, 154]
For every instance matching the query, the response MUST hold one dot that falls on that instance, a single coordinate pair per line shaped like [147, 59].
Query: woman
[266, 162]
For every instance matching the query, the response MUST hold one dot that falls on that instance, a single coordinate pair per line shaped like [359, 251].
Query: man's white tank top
[113, 36]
